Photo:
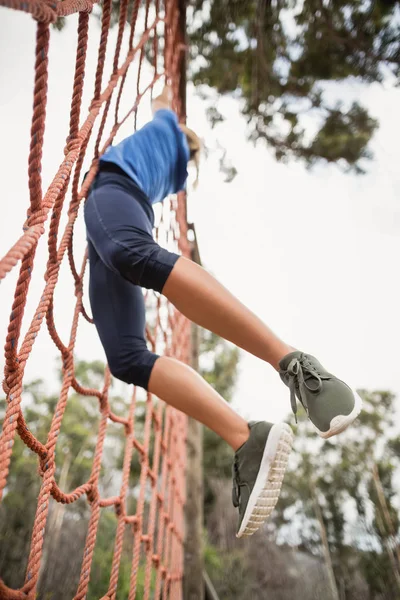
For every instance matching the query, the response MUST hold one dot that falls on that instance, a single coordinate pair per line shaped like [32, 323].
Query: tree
[276, 56]
[338, 500]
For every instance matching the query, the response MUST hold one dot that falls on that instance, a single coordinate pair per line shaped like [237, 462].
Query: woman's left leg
[119, 315]
[201, 298]
[330, 403]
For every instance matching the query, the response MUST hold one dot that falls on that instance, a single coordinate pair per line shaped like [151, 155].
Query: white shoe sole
[341, 422]
[268, 484]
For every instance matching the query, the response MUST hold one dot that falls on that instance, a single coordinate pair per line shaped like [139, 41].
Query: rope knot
[68, 362]
[45, 463]
[93, 495]
[120, 509]
[128, 428]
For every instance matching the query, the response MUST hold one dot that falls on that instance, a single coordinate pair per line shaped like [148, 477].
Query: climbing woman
[124, 258]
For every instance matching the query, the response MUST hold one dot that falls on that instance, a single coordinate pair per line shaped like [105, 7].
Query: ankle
[283, 351]
[240, 438]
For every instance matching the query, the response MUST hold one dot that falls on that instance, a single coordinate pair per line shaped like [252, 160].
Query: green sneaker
[330, 403]
[258, 471]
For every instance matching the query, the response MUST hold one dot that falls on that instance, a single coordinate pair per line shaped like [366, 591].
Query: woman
[124, 258]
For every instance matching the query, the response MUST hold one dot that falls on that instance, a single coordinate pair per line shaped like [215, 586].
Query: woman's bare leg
[203, 300]
[181, 387]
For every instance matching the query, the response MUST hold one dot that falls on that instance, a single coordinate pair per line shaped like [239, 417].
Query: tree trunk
[385, 510]
[325, 545]
[193, 569]
[385, 518]
[193, 585]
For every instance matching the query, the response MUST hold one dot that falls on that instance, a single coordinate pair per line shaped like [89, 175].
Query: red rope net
[158, 538]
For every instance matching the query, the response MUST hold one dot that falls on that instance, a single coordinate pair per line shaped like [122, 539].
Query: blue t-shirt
[155, 157]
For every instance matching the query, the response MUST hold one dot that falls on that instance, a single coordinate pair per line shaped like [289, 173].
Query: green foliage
[212, 558]
[277, 57]
[229, 571]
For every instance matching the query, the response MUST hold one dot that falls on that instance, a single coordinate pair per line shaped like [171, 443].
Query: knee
[133, 366]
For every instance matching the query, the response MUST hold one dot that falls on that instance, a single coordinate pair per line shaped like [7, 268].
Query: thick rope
[49, 12]
[158, 539]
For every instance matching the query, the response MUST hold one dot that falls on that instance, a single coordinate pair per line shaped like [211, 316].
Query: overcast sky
[314, 254]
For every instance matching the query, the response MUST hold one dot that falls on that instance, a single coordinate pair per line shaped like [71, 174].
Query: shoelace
[296, 370]
[235, 489]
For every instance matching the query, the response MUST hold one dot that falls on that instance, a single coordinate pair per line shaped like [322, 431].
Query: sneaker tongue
[284, 362]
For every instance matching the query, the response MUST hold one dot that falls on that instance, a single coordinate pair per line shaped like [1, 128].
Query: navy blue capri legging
[124, 258]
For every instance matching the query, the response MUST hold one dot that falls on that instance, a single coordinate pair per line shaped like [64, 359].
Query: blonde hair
[195, 146]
